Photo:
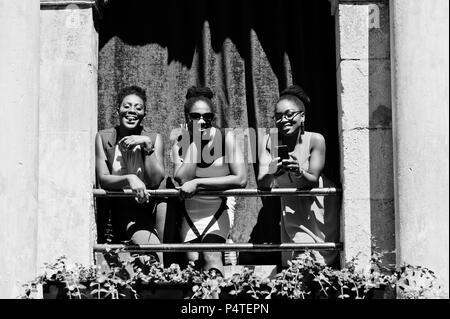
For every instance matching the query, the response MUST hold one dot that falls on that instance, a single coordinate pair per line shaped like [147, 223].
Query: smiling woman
[128, 156]
[206, 219]
[303, 219]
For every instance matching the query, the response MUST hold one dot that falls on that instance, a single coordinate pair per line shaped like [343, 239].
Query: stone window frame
[355, 56]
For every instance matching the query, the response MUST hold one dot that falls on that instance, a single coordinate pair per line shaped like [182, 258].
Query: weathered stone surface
[356, 230]
[353, 31]
[65, 200]
[354, 94]
[356, 163]
[383, 228]
[381, 165]
[380, 110]
[366, 117]
[421, 96]
[355, 220]
[379, 30]
[19, 96]
[68, 121]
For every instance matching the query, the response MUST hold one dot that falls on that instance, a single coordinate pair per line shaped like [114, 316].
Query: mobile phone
[283, 152]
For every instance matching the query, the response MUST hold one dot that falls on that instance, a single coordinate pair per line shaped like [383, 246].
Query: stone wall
[363, 73]
[67, 127]
[19, 94]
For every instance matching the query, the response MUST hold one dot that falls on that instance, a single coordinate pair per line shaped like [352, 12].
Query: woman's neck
[292, 140]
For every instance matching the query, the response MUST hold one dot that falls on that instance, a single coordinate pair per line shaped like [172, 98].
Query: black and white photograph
[232, 156]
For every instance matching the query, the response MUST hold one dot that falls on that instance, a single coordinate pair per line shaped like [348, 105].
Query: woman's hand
[292, 165]
[138, 187]
[188, 189]
[129, 142]
[275, 167]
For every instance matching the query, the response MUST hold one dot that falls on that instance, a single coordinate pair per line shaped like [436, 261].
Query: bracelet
[299, 173]
[148, 150]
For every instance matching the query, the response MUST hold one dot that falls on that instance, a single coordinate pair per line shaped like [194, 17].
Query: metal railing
[217, 247]
[242, 192]
[185, 247]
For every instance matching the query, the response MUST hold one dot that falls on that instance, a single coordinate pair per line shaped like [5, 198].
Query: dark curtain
[246, 51]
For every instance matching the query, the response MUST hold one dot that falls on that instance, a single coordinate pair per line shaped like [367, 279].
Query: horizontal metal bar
[63, 4]
[245, 192]
[218, 247]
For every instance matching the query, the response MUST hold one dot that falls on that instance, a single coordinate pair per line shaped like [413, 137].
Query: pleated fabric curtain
[246, 51]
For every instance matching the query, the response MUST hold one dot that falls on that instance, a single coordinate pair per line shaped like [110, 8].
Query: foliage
[306, 277]
[415, 282]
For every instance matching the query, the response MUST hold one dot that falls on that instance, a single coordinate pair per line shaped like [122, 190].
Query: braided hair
[195, 94]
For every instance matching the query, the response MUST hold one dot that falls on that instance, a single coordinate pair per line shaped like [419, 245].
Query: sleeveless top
[308, 218]
[201, 209]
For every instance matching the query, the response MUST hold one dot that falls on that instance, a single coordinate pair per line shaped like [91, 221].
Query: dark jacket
[109, 139]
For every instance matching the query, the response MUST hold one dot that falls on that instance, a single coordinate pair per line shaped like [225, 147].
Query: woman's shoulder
[316, 138]
[108, 133]
[176, 134]
[110, 130]
[145, 131]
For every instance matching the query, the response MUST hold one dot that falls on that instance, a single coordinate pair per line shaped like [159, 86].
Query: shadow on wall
[297, 38]
[283, 29]
[382, 208]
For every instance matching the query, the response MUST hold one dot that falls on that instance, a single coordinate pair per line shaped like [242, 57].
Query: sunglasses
[207, 117]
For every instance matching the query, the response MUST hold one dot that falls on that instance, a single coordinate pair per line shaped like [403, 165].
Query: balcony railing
[185, 247]
[240, 192]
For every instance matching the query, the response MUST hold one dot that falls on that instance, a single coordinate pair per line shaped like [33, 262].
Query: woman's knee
[212, 257]
[192, 256]
[144, 237]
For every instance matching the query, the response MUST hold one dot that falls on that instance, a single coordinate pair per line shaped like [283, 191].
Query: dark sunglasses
[207, 117]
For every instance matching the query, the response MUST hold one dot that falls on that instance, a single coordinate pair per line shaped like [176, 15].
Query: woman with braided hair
[304, 219]
[206, 158]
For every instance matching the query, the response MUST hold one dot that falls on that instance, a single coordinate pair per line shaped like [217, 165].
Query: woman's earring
[302, 128]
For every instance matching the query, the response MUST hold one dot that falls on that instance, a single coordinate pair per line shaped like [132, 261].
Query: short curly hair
[129, 90]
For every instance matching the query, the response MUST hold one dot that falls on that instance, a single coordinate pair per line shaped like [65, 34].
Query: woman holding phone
[206, 158]
[130, 157]
[298, 162]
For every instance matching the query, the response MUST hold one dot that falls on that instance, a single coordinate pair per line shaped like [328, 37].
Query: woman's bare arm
[310, 178]
[154, 164]
[185, 167]
[115, 182]
[237, 166]
[267, 165]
